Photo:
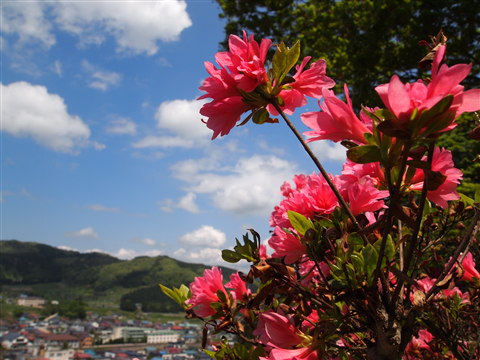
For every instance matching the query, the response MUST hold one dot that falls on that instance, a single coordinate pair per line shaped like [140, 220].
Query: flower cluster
[365, 264]
[242, 84]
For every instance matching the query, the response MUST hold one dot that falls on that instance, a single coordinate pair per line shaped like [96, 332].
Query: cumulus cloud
[148, 241]
[31, 111]
[179, 124]
[186, 203]
[204, 236]
[136, 26]
[27, 21]
[209, 256]
[162, 142]
[100, 79]
[67, 248]
[122, 126]
[99, 207]
[87, 232]
[127, 254]
[251, 186]
[182, 117]
[327, 150]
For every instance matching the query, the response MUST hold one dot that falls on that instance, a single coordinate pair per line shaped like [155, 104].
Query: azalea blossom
[361, 194]
[443, 163]
[308, 82]
[403, 99]
[417, 343]
[204, 291]
[286, 244]
[312, 196]
[245, 60]
[336, 121]
[239, 288]
[469, 270]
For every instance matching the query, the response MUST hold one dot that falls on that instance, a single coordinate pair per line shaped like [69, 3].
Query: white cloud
[186, 203]
[87, 232]
[57, 68]
[162, 142]
[27, 21]
[100, 79]
[204, 236]
[31, 111]
[180, 125]
[121, 126]
[327, 150]
[127, 254]
[182, 118]
[210, 256]
[148, 241]
[137, 26]
[251, 186]
[67, 248]
[99, 207]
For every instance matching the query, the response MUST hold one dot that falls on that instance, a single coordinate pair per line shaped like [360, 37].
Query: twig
[340, 198]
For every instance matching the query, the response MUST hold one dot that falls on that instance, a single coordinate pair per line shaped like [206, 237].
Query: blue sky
[102, 146]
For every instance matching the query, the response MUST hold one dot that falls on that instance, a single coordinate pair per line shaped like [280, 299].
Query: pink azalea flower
[204, 291]
[309, 272]
[293, 354]
[469, 270]
[242, 68]
[307, 83]
[262, 252]
[442, 162]
[286, 245]
[312, 196]
[227, 106]
[276, 330]
[245, 60]
[352, 172]
[418, 342]
[402, 99]
[361, 194]
[336, 122]
[239, 288]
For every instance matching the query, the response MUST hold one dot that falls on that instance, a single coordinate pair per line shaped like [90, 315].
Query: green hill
[98, 278]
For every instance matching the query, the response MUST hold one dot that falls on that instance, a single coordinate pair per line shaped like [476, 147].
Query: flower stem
[340, 198]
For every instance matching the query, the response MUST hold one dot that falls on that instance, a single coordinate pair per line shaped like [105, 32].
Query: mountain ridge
[54, 272]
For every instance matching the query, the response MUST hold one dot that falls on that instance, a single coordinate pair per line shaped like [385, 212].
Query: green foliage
[179, 295]
[299, 222]
[465, 152]
[364, 42]
[65, 275]
[247, 251]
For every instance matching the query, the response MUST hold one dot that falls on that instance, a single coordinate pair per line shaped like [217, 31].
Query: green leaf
[391, 129]
[260, 116]
[370, 256]
[358, 262]
[179, 295]
[364, 154]
[468, 201]
[284, 60]
[434, 112]
[299, 222]
[231, 256]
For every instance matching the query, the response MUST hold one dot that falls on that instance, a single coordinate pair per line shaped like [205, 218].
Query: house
[162, 337]
[31, 301]
[14, 341]
[49, 340]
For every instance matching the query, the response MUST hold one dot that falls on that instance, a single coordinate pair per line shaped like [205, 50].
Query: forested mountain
[55, 273]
